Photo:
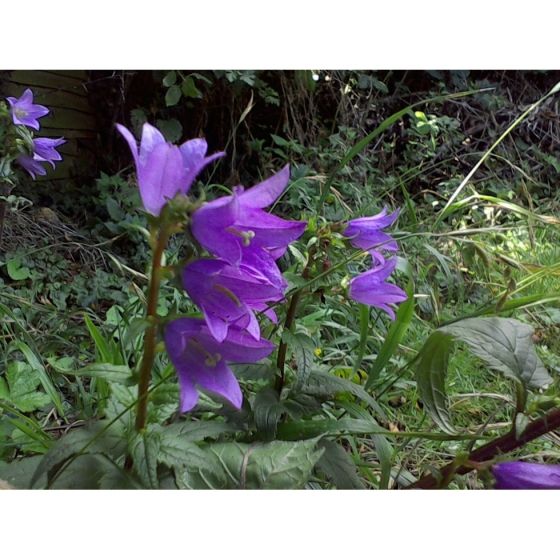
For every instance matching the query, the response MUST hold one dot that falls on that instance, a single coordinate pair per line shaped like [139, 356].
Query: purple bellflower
[31, 165]
[25, 112]
[370, 288]
[201, 360]
[164, 170]
[44, 149]
[365, 233]
[236, 228]
[227, 295]
[517, 475]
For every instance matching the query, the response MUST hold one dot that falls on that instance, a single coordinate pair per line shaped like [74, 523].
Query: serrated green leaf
[23, 380]
[430, 373]
[144, 449]
[198, 431]
[254, 372]
[115, 211]
[172, 96]
[267, 411]
[505, 345]
[115, 374]
[338, 466]
[100, 438]
[274, 465]
[304, 349]
[19, 472]
[323, 384]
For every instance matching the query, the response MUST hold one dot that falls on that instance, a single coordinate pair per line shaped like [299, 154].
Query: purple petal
[151, 137]
[517, 475]
[25, 112]
[32, 166]
[267, 192]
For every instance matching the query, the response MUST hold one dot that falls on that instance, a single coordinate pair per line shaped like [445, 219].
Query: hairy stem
[150, 334]
[502, 445]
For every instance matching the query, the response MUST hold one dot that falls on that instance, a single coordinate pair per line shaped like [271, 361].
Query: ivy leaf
[189, 88]
[173, 96]
[171, 129]
[170, 79]
[16, 271]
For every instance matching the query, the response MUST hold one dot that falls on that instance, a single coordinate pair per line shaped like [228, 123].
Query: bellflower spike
[25, 112]
[165, 170]
[236, 229]
[365, 233]
[44, 149]
[370, 288]
[31, 165]
[201, 360]
[518, 475]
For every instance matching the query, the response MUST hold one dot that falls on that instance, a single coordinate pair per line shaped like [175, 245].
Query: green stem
[150, 334]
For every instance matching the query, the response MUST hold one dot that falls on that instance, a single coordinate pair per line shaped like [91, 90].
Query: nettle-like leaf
[267, 411]
[505, 345]
[254, 372]
[23, 381]
[304, 349]
[338, 466]
[101, 438]
[144, 448]
[323, 384]
[266, 466]
[115, 374]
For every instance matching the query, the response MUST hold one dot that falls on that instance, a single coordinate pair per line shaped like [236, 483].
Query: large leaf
[323, 384]
[267, 411]
[430, 372]
[100, 438]
[110, 372]
[274, 465]
[304, 349]
[144, 448]
[338, 466]
[505, 345]
[254, 372]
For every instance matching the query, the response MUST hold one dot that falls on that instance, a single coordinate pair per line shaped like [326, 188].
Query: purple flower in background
[164, 170]
[44, 149]
[25, 112]
[370, 288]
[31, 165]
[227, 295]
[518, 475]
[365, 233]
[201, 360]
[236, 229]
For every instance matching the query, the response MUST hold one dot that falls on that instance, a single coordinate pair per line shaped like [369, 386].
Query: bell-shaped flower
[236, 228]
[31, 165]
[366, 234]
[25, 112]
[370, 288]
[227, 295]
[164, 170]
[518, 475]
[201, 360]
[44, 149]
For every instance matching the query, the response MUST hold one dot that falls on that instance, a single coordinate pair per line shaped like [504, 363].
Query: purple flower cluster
[517, 475]
[370, 287]
[25, 112]
[240, 278]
